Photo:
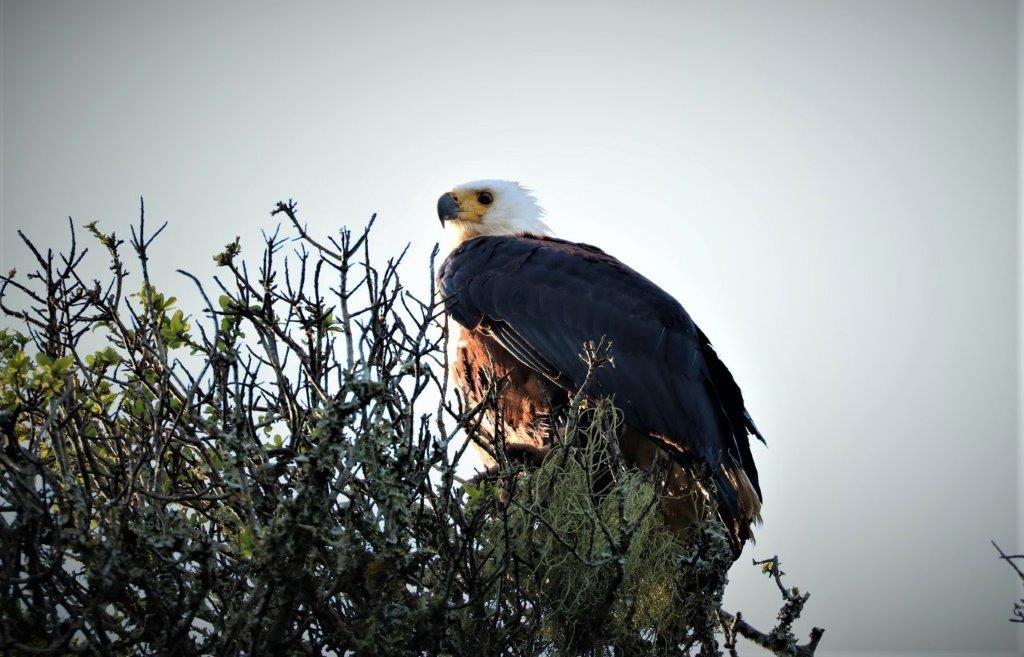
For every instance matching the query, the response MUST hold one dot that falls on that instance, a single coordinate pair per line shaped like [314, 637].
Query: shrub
[278, 474]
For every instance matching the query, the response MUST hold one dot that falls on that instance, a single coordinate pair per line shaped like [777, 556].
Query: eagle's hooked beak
[447, 208]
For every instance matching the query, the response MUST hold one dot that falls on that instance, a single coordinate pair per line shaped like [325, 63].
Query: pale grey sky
[829, 188]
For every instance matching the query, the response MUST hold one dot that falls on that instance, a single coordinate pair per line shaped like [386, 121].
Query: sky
[830, 189]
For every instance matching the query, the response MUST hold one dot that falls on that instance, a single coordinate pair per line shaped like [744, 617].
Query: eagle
[522, 304]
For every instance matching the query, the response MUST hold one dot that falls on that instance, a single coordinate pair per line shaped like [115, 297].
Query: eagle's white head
[489, 207]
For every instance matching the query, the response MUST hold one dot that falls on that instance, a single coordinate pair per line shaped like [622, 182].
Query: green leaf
[174, 330]
[245, 542]
[62, 365]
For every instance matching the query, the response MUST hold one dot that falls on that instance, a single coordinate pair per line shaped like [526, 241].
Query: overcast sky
[829, 189]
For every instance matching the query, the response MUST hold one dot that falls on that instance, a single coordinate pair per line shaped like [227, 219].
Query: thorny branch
[1017, 614]
[780, 640]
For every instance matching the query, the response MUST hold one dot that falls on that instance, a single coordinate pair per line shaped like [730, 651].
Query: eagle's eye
[485, 198]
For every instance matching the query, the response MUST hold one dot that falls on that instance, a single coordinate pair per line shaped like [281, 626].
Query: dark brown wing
[542, 299]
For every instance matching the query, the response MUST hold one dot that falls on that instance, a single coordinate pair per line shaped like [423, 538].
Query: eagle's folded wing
[542, 299]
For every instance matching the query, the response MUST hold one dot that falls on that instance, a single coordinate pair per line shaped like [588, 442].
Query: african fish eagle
[522, 305]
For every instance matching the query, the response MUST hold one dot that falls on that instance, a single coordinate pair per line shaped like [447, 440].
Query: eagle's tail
[739, 504]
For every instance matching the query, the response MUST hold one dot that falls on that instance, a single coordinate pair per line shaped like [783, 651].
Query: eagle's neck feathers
[462, 231]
